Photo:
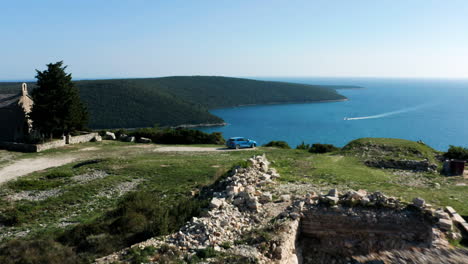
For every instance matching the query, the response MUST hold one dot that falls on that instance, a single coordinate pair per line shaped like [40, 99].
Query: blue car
[240, 142]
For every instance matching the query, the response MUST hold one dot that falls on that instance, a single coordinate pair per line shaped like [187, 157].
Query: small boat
[345, 118]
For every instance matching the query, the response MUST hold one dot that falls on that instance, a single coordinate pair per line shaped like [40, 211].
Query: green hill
[171, 101]
[390, 148]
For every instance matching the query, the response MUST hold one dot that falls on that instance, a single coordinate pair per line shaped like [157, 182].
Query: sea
[434, 111]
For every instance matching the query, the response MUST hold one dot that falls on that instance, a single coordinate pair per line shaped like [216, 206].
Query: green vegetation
[136, 255]
[172, 101]
[455, 152]
[322, 148]
[92, 217]
[137, 217]
[303, 146]
[278, 144]
[57, 108]
[390, 148]
[36, 251]
[176, 136]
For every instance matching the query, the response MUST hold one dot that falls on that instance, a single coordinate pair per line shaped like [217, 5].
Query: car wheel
[253, 145]
[237, 146]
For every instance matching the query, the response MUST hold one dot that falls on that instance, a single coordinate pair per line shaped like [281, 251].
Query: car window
[241, 139]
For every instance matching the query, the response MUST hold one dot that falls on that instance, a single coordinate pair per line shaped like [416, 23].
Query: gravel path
[195, 149]
[26, 166]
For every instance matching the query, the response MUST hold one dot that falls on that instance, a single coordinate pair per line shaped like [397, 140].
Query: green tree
[57, 108]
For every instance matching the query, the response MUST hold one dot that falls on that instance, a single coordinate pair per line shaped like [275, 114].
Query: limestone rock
[130, 139]
[419, 202]
[445, 224]
[216, 203]
[110, 136]
[285, 198]
[266, 197]
[144, 140]
[97, 138]
[123, 137]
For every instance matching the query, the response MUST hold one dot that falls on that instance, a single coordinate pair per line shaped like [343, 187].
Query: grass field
[57, 199]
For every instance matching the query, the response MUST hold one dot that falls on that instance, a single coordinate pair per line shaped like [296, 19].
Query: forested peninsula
[173, 101]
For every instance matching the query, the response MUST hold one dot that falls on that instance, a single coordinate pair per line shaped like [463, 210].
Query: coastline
[278, 103]
[200, 125]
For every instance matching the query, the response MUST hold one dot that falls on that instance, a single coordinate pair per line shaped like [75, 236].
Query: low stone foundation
[337, 227]
[23, 147]
[414, 165]
[332, 235]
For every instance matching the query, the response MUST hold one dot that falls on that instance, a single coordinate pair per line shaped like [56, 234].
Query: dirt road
[23, 167]
[195, 149]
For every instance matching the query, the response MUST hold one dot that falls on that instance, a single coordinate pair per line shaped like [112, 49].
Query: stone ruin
[348, 227]
[340, 228]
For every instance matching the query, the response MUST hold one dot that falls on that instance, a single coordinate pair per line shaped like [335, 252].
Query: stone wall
[414, 165]
[50, 145]
[22, 147]
[330, 234]
[315, 228]
[81, 138]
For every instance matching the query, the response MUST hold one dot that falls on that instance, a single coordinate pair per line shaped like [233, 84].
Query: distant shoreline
[351, 88]
[200, 125]
[278, 103]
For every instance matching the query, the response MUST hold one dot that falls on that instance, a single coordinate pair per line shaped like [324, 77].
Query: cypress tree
[57, 108]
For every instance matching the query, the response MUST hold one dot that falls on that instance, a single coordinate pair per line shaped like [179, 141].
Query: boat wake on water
[402, 111]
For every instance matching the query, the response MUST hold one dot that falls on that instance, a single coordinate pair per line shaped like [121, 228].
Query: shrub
[11, 217]
[303, 146]
[278, 144]
[455, 152]
[36, 252]
[58, 175]
[34, 184]
[137, 217]
[207, 252]
[226, 245]
[241, 164]
[322, 148]
[136, 255]
[178, 136]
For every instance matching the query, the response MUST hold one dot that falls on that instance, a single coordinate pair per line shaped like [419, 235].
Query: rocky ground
[250, 202]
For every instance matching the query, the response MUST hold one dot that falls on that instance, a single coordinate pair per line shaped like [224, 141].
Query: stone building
[14, 122]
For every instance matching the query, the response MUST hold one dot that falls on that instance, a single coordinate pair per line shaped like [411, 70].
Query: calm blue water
[434, 111]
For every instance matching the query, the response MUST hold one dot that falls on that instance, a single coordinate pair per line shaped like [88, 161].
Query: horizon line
[251, 77]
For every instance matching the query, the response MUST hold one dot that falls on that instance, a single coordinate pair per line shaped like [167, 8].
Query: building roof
[7, 100]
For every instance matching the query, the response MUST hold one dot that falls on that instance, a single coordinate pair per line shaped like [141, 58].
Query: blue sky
[106, 39]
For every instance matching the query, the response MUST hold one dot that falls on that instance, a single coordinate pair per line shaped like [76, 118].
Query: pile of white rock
[232, 211]
[235, 209]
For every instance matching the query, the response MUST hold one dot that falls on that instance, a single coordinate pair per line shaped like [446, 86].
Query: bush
[278, 144]
[322, 148]
[58, 175]
[226, 244]
[36, 252]
[136, 255]
[176, 136]
[11, 217]
[34, 184]
[455, 152]
[303, 146]
[137, 217]
[207, 252]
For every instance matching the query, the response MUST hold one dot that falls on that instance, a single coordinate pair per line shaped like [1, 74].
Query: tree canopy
[173, 101]
[57, 108]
